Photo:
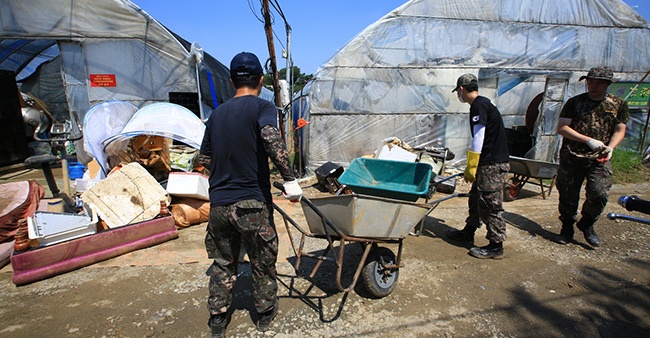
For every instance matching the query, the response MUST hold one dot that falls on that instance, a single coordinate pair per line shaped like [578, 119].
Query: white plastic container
[83, 184]
[193, 185]
[50, 228]
[395, 153]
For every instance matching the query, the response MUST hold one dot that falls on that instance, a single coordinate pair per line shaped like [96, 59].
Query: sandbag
[189, 211]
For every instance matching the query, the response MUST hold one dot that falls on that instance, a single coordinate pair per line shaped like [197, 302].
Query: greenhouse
[394, 78]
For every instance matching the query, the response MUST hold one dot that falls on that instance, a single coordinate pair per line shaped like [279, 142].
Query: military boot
[587, 228]
[264, 319]
[566, 234]
[591, 237]
[218, 324]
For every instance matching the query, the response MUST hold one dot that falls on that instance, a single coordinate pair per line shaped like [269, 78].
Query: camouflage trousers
[486, 201]
[570, 176]
[250, 223]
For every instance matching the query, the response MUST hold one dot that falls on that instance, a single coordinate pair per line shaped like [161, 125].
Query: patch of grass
[628, 168]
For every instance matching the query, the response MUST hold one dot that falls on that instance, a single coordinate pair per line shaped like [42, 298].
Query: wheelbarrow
[523, 169]
[362, 219]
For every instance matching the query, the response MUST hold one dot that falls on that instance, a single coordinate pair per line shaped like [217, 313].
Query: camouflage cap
[601, 73]
[464, 80]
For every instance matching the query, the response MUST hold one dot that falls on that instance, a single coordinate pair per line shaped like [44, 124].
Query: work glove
[472, 164]
[605, 155]
[292, 190]
[596, 145]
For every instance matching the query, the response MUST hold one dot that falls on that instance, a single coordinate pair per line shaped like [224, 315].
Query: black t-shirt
[239, 167]
[495, 144]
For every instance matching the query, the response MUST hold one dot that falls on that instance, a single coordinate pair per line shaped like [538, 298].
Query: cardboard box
[193, 185]
[126, 196]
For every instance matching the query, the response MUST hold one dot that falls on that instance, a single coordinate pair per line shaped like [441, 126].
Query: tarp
[395, 77]
[110, 50]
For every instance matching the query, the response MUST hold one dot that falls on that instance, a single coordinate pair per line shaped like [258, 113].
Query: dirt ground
[539, 289]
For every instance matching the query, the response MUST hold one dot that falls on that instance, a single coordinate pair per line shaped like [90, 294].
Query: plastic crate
[51, 228]
[406, 181]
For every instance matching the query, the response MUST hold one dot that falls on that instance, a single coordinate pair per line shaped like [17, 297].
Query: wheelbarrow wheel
[379, 281]
[511, 189]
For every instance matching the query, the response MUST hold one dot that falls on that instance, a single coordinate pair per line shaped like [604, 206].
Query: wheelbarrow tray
[533, 168]
[399, 180]
[364, 216]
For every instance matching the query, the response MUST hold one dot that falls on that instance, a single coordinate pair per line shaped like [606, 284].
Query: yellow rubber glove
[472, 164]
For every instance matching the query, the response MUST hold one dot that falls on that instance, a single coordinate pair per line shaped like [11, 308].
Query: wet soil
[539, 288]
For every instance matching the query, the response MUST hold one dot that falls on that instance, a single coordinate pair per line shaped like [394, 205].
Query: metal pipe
[614, 216]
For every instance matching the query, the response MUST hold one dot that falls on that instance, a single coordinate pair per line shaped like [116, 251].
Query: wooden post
[274, 69]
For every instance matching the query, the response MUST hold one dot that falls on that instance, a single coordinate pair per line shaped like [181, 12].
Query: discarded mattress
[38, 264]
[19, 200]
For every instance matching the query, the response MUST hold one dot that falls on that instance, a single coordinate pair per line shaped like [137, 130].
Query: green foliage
[628, 168]
[299, 79]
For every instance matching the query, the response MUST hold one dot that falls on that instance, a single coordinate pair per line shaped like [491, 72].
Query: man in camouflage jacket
[592, 124]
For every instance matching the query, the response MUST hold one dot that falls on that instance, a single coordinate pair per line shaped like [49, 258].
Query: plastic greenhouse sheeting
[160, 119]
[394, 78]
[103, 121]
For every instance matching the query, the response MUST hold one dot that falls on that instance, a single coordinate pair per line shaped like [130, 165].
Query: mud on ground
[539, 289]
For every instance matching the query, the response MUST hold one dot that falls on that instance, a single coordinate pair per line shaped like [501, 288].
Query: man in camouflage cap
[592, 124]
[487, 166]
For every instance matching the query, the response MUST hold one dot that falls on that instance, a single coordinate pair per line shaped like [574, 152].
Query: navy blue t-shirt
[495, 143]
[239, 167]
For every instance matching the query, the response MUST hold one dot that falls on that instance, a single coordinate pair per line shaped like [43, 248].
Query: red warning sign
[102, 80]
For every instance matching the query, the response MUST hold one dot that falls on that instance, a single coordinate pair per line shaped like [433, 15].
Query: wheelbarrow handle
[278, 185]
[447, 178]
[447, 198]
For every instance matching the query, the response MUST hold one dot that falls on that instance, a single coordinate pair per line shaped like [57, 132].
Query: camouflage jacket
[596, 119]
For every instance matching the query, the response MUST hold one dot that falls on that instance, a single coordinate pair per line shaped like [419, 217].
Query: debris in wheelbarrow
[327, 176]
[444, 184]
[398, 180]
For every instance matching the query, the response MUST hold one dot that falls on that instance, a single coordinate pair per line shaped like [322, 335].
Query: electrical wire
[250, 5]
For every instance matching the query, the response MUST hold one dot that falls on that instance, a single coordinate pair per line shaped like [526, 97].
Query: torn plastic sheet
[160, 119]
[101, 122]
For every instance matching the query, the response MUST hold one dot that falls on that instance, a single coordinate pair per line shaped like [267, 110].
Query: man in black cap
[592, 124]
[487, 166]
[240, 136]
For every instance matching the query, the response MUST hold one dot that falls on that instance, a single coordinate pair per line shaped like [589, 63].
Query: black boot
[591, 237]
[566, 234]
[492, 250]
[218, 324]
[264, 319]
[587, 228]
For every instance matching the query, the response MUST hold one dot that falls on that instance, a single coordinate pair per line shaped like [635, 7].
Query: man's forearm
[277, 151]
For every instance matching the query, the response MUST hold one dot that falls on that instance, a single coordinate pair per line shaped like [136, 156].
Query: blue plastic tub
[406, 181]
[75, 170]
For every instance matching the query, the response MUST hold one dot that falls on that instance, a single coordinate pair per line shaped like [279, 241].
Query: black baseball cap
[245, 64]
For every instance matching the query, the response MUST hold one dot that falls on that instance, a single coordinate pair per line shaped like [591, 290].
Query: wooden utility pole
[274, 68]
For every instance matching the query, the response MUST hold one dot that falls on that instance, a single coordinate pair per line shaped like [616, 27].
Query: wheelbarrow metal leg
[357, 273]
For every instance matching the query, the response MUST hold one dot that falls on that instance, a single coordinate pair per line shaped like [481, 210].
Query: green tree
[299, 79]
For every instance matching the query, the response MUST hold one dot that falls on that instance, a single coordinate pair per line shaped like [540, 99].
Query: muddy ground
[540, 289]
